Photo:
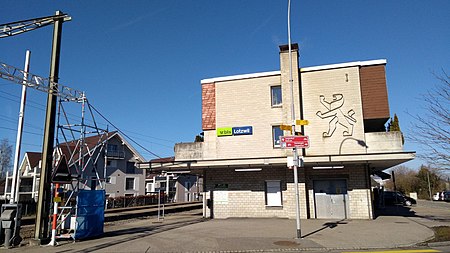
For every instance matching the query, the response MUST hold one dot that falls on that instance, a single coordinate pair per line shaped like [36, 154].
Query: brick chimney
[285, 85]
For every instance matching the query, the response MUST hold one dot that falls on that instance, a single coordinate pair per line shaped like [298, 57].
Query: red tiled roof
[163, 160]
[72, 148]
[34, 158]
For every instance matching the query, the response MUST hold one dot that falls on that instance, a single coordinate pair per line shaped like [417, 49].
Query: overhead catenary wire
[68, 94]
[13, 129]
[43, 107]
[14, 121]
[18, 99]
[120, 131]
[77, 116]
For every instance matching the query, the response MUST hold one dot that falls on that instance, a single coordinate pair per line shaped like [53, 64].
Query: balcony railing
[189, 151]
[115, 154]
[384, 142]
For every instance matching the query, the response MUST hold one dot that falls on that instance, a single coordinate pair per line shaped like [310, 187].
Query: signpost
[286, 127]
[294, 141]
[302, 122]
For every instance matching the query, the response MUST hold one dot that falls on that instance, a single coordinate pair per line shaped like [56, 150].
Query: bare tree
[432, 130]
[405, 180]
[5, 156]
[421, 181]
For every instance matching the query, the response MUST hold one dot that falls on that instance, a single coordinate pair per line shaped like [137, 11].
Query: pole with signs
[297, 160]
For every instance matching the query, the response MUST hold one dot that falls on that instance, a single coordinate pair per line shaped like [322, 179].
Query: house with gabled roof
[179, 186]
[29, 171]
[107, 162]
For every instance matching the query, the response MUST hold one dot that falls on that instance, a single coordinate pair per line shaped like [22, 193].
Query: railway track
[135, 212]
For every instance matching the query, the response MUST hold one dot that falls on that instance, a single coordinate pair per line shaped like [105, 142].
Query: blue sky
[141, 62]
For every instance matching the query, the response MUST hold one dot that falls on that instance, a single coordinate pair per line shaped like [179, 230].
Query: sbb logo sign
[230, 131]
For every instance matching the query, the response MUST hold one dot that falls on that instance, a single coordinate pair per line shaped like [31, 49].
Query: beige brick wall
[359, 205]
[286, 86]
[359, 194]
[245, 196]
[245, 102]
[343, 81]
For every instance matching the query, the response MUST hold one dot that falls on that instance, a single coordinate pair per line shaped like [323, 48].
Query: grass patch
[441, 234]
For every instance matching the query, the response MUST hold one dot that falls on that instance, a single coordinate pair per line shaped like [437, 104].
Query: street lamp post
[297, 160]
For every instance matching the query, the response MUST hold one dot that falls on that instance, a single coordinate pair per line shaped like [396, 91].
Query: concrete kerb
[438, 244]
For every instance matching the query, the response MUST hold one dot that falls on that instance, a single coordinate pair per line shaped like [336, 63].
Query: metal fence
[130, 201]
[29, 206]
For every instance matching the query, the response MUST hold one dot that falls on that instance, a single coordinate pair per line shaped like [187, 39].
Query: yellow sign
[302, 122]
[286, 127]
[57, 199]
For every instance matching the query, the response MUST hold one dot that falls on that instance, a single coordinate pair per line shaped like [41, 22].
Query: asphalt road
[146, 234]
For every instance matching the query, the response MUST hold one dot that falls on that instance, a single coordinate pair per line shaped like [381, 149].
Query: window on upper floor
[112, 148]
[111, 163]
[129, 183]
[130, 168]
[276, 134]
[275, 92]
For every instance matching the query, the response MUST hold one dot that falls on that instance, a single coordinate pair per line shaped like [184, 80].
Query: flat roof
[306, 69]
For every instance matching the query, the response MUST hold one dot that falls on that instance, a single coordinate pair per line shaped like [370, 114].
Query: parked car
[447, 196]
[437, 196]
[394, 198]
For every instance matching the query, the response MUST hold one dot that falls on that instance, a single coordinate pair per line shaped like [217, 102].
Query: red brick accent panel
[374, 92]
[208, 106]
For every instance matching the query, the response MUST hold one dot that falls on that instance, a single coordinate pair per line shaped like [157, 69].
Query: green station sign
[224, 131]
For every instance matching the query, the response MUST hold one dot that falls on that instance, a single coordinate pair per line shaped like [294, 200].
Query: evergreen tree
[199, 138]
[394, 125]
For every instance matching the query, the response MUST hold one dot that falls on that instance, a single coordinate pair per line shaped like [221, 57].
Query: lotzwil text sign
[294, 141]
[230, 131]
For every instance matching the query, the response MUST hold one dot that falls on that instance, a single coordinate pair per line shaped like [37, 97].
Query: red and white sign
[294, 141]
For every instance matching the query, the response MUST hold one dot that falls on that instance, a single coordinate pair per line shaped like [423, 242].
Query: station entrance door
[331, 199]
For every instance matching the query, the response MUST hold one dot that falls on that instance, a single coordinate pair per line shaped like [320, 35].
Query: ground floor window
[276, 134]
[129, 183]
[273, 193]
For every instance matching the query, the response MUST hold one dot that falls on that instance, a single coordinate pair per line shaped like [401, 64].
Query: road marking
[398, 251]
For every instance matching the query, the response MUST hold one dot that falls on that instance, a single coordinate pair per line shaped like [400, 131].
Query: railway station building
[247, 172]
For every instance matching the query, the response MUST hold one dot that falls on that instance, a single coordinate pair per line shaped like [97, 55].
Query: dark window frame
[126, 183]
[266, 191]
[274, 97]
[274, 141]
